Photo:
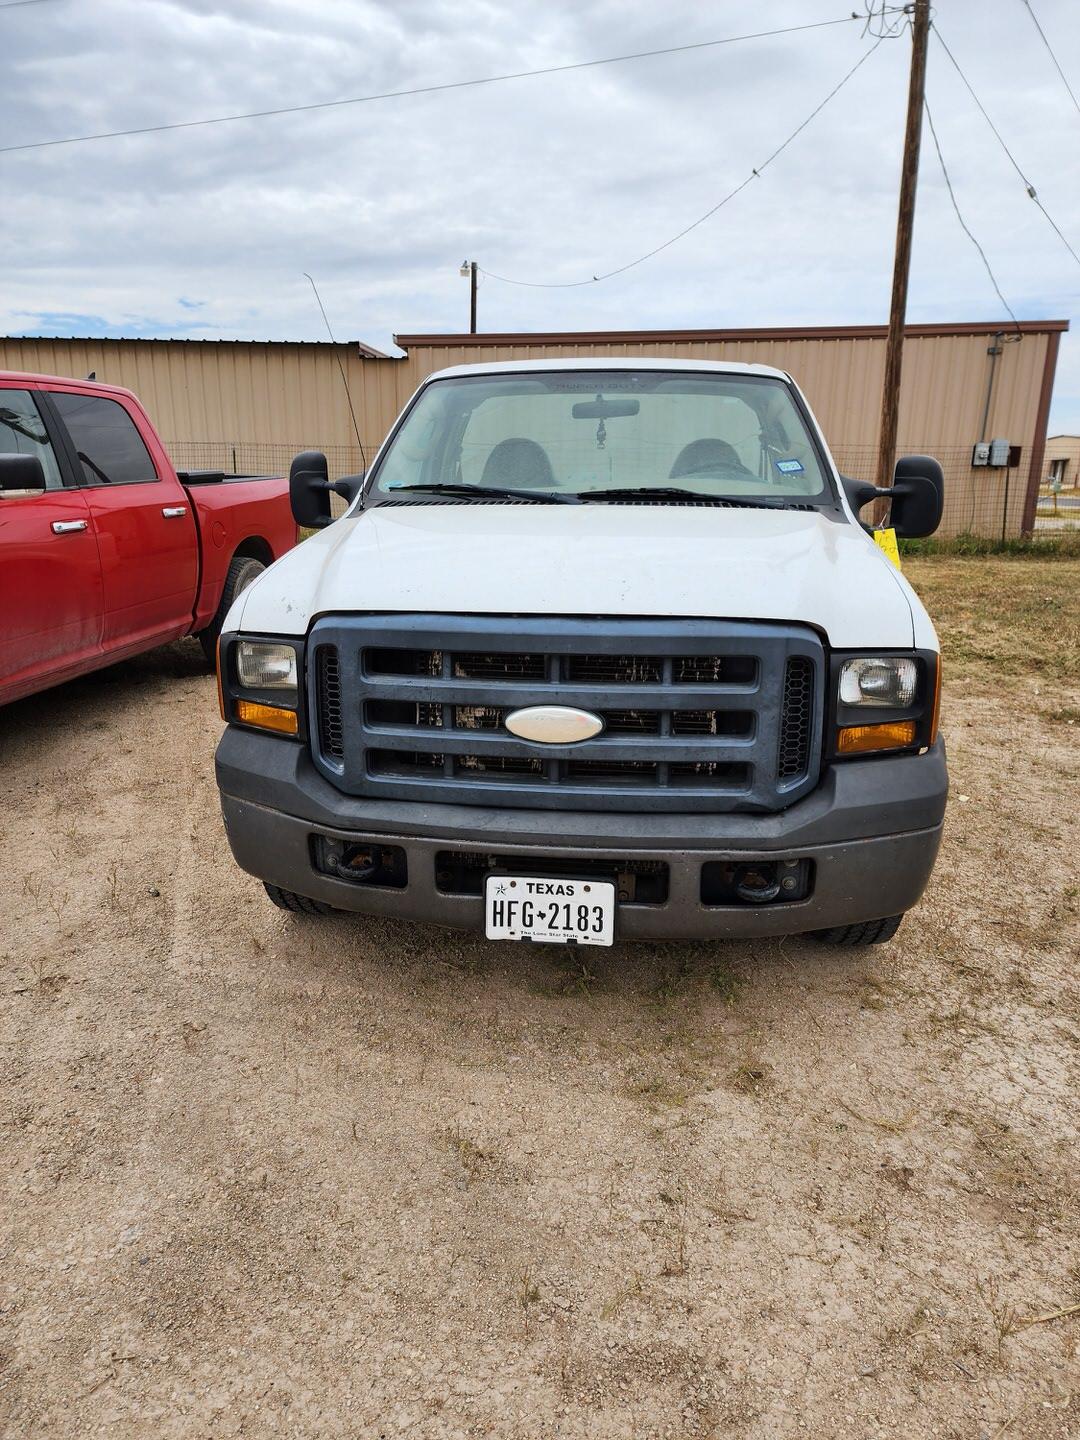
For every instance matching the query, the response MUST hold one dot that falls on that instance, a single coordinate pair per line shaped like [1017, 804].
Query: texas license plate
[535, 907]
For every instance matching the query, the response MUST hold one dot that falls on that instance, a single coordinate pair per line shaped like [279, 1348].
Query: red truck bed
[108, 552]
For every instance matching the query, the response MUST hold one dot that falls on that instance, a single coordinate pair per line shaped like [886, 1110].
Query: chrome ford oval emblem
[554, 724]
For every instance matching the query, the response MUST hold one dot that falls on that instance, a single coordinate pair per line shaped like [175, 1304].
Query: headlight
[888, 682]
[262, 666]
[883, 703]
[260, 683]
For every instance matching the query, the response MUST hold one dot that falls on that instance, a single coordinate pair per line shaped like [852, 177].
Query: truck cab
[105, 549]
[599, 650]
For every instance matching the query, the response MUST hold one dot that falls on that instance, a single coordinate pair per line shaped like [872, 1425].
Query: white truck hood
[634, 560]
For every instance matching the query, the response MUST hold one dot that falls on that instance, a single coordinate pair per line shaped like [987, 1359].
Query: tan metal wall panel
[943, 389]
[267, 399]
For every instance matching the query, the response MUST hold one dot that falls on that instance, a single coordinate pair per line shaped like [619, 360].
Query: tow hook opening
[361, 864]
[760, 881]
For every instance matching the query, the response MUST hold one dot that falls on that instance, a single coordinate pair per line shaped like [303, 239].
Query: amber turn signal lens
[267, 717]
[860, 739]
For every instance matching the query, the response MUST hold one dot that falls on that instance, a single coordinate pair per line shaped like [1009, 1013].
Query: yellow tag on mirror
[886, 540]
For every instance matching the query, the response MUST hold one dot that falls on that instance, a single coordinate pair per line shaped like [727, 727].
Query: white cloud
[206, 231]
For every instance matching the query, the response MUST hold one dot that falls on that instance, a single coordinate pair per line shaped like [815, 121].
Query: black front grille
[696, 715]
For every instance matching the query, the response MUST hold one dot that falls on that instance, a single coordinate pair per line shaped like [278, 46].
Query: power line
[754, 173]
[340, 366]
[1050, 52]
[424, 89]
[963, 222]
[1028, 186]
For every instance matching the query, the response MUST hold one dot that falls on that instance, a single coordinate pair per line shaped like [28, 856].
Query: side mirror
[918, 496]
[310, 488]
[22, 474]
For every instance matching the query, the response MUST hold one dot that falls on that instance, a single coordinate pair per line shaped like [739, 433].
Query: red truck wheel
[243, 569]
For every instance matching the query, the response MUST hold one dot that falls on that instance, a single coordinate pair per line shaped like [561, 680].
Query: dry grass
[1003, 617]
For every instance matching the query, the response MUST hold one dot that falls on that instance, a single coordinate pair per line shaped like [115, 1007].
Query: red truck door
[146, 532]
[51, 602]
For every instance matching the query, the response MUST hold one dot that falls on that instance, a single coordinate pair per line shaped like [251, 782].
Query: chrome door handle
[173, 512]
[65, 527]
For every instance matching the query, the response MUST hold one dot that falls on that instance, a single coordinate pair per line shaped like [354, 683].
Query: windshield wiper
[675, 492]
[490, 492]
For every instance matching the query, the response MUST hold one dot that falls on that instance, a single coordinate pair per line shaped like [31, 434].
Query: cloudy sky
[206, 232]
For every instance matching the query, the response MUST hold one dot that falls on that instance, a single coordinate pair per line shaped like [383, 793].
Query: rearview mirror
[601, 409]
[918, 497]
[21, 473]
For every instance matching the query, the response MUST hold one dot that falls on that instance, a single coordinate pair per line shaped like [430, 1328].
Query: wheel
[298, 904]
[243, 569]
[869, 932]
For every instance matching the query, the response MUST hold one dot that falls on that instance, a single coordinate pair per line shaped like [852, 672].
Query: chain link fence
[241, 457]
[990, 502]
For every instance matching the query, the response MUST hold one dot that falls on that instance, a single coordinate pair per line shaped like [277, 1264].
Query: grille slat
[698, 715]
[429, 715]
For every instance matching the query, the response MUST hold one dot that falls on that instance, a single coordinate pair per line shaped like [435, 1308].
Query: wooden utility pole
[468, 272]
[905, 221]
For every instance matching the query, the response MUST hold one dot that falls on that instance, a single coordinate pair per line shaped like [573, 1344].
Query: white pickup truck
[599, 650]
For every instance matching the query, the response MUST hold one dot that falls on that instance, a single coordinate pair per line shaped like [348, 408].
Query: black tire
[243, 569]
[297, 904]
[869, 932]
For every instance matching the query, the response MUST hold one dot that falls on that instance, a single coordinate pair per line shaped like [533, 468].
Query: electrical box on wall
[991, 452]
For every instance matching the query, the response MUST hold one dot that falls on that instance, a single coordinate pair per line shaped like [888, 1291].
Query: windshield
[607, 434]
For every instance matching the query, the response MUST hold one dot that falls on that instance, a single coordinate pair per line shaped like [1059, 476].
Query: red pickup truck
[105, 550]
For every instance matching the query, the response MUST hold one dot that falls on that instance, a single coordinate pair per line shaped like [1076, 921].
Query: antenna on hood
[341, 368]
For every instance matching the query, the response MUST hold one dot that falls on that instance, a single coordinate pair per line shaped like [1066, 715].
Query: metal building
[252, 405]
[1062, 461]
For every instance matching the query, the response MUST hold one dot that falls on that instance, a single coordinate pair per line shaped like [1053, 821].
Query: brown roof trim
[1038, 449]
[783, 332]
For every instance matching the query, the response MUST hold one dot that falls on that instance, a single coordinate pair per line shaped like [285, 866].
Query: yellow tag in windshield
[886, 540]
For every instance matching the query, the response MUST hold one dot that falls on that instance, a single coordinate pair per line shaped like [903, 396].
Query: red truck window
[110, 448]
[22, 432]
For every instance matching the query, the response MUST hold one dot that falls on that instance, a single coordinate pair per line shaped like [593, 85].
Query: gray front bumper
[872, 829]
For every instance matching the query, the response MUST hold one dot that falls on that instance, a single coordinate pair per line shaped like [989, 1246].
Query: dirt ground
[269, 1175]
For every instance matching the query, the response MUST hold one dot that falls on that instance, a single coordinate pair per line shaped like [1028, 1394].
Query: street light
[468, 270]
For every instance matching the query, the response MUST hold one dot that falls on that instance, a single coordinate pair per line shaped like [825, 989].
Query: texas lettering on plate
[550, 909]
